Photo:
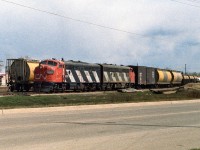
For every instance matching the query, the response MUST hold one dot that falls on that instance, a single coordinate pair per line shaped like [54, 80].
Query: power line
[73, 19]
[87, 22]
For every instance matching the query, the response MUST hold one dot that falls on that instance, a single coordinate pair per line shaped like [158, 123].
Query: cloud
[166, 32]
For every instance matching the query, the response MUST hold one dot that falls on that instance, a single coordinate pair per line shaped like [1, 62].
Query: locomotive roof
[115, 66]
[71, 62]
[23, 59]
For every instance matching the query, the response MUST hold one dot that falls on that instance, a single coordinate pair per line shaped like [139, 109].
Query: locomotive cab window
[52, 63]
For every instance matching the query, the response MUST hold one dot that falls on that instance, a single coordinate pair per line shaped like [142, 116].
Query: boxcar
[140, 76]
[150, 77]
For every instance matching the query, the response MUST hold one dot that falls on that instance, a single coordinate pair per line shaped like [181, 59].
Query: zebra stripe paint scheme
[77, 76]
[116, 77]
[70, 76]
[80, 77]
[84, 72]
[96, 76]
[88, 76]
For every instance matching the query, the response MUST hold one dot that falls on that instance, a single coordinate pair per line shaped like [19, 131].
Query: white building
[2, 79]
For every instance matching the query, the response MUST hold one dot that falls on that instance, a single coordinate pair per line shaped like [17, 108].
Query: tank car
[186, 79]
[163, 78]
[195, 79]
[177, 78]
[21, 73]
[192, 79]
[198, 79]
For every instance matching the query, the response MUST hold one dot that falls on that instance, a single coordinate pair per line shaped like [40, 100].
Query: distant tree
[194, 74]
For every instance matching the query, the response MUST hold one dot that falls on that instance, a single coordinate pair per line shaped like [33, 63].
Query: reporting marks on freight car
[140, 75]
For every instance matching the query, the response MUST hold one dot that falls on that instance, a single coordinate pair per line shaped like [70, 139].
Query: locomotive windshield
[50, 63]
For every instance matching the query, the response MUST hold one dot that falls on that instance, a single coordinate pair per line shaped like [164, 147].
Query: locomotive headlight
[50, 72]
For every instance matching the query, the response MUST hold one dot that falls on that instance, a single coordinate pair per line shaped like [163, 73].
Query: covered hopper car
[20, 73]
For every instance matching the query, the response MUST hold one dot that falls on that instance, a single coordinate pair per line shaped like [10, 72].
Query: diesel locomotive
[52, 75]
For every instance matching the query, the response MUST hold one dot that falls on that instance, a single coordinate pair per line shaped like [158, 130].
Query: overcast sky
[162, 33]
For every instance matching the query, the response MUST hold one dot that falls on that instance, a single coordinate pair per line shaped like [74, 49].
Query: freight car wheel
[12, 88]
[18, 87]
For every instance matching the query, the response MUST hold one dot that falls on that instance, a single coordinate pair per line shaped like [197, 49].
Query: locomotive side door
[132, 75]
[60, 73]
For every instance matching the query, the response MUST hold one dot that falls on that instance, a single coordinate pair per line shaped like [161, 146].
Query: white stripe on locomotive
[80, 76]
[113, 76]
[96, 76]
[125, 76]
[88, 76]
[119, 77]
[106, 76]
[70, 75]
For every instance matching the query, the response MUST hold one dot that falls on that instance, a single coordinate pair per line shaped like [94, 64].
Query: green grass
[20, 101]
[195, 149]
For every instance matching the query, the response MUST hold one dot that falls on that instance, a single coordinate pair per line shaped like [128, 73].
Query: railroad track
[4, 92]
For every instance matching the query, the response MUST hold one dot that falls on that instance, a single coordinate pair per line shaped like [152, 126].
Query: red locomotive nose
[49, 70]
[40, 73]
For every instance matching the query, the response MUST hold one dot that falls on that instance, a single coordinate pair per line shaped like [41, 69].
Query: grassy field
[20, 101]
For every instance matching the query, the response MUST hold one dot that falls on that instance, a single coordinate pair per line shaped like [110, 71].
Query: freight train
[52, 75]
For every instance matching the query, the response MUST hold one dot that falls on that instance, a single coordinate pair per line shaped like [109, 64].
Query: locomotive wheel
[27, 88]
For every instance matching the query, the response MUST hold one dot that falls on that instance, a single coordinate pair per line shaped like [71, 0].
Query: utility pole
[185, 68]
[1, 65]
